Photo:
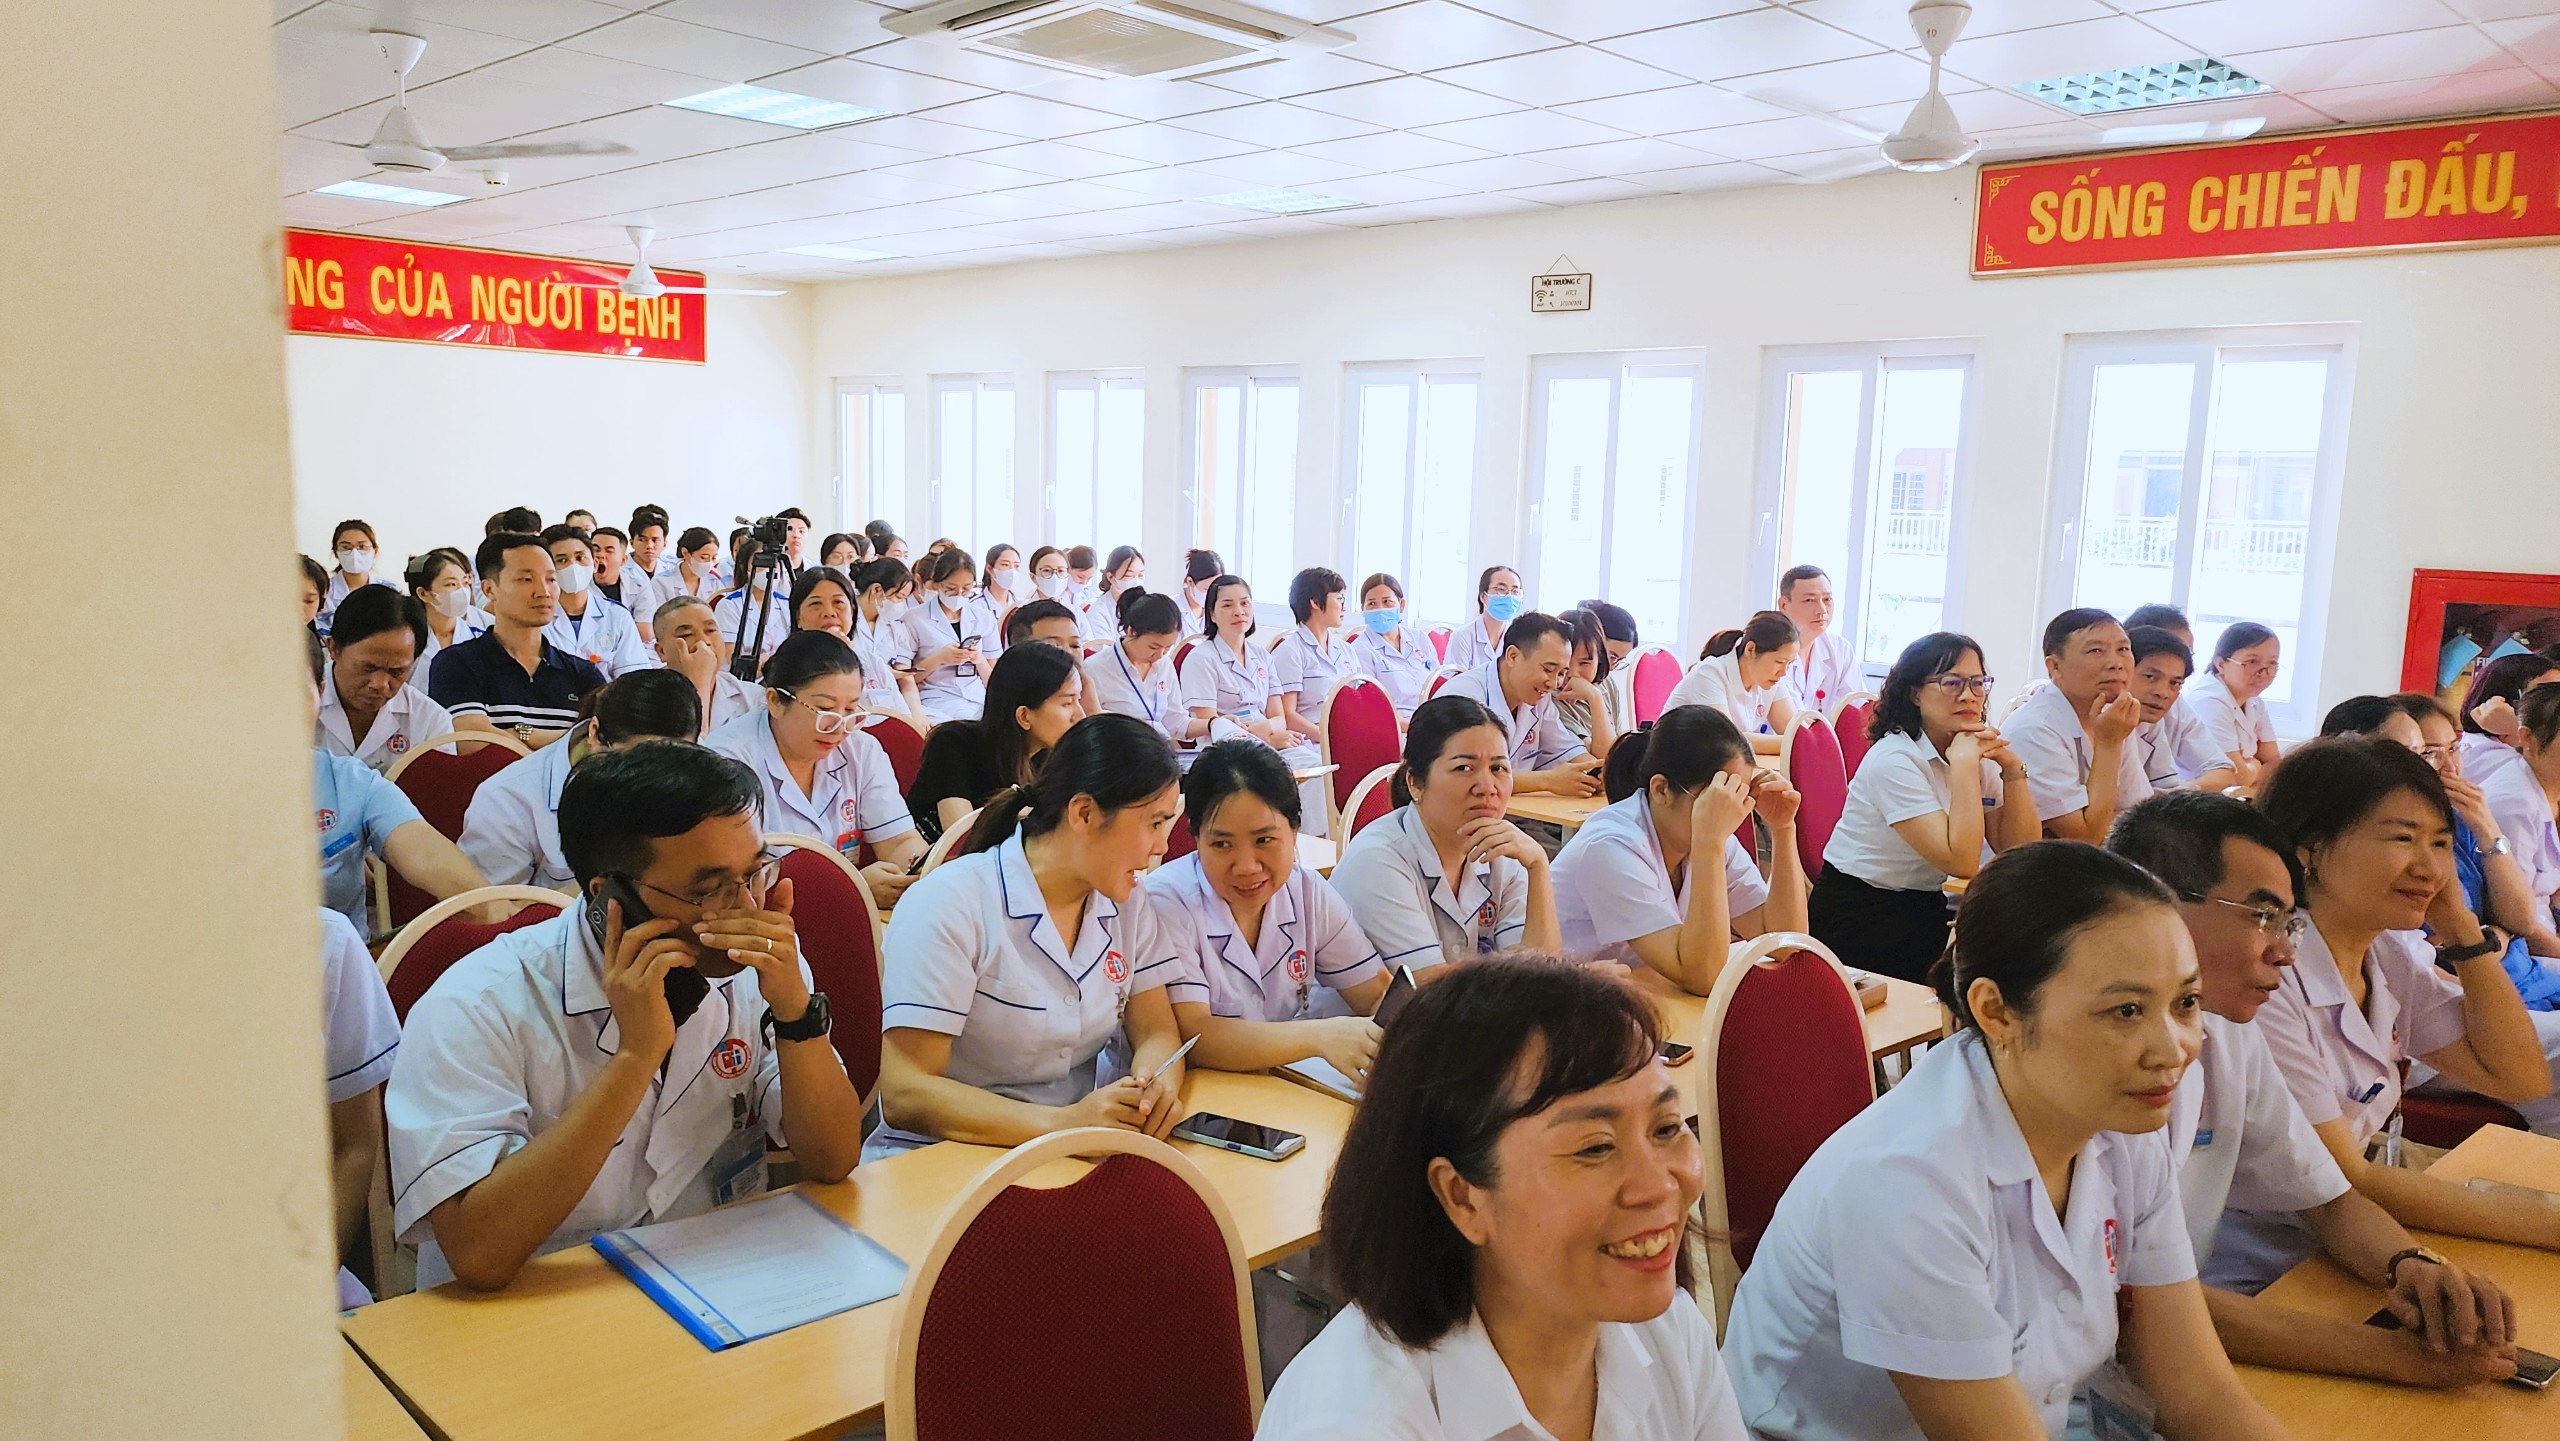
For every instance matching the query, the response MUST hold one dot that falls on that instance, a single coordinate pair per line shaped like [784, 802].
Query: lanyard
[1153, 709]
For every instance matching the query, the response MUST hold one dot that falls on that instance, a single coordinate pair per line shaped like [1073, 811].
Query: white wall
[2451, 414]
[427, 441]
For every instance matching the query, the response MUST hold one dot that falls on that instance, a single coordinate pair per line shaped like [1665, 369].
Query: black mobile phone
[1674, 1053]
[615, 888]
[1400, 989]
[1247, 1138]
[2534, 1370]
[917, 864]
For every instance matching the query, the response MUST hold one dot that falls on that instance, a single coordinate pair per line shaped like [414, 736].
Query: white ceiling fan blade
[1826, 174]
[537, 150]
[698, 290]
[1795, 104]
[2121, 137]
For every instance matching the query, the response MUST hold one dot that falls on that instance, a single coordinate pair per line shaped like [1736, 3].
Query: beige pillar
[163, 1216]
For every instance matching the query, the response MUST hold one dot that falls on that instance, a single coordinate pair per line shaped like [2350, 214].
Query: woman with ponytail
[1678, 790]
[1012, 965]
[1738, 672]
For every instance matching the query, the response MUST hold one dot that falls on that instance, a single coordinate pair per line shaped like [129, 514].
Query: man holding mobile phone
[628, 1060]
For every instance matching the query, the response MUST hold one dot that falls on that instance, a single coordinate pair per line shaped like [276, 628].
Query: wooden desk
[1909, 1017]
[572, 1350]
[1568, 812]
[2338, 1409]
[372, 1413]
[1318, 853]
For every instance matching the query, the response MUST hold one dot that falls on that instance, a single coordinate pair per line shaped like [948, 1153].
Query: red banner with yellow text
[2491, 180]
[387, 289]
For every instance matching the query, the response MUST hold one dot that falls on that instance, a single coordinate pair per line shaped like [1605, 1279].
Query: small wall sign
[1561, 288]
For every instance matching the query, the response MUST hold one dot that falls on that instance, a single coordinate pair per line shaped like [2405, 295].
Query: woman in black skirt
[1936, 785]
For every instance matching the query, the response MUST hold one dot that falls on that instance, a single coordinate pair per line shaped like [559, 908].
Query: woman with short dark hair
[1509, 1220]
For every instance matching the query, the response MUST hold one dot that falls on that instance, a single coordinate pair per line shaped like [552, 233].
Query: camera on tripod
[769, 533]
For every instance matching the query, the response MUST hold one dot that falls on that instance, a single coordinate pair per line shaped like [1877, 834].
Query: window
[2202, 471]
[1862, 482]
[1412, 462]
[1244, 472]
[871, 454]
[1613, 450]
[1097, 439]
[973, 460]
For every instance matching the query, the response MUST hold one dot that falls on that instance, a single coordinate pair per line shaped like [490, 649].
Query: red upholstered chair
[839, 925]
[1182, 653]
[954, 836]
[1848, 718]
[1359, 734]
[440, 785]
[2447, 1121]
[442, 934]
[1784, 1047]
[897, 736]
[1657, 675]
[1138, 1250]
[1439, 641]
[1371, 799]
[1810, 755]
[1438, 679]
[1179, 841]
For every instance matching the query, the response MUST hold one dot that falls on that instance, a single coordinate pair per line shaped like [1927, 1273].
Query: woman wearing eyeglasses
[2236, 738]
[822, 776]
[1937, 785]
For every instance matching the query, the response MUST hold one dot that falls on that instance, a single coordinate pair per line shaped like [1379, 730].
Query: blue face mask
[1504, 608]
[1382, 621]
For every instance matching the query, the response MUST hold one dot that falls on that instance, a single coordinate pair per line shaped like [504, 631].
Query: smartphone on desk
[1247, 1138]
[1674, 1053]
[2534, 1371]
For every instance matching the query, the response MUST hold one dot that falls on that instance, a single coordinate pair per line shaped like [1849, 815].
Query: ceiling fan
[642, 283]
[399, 144]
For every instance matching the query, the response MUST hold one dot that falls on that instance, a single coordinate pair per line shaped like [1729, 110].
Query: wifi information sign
[384, 289]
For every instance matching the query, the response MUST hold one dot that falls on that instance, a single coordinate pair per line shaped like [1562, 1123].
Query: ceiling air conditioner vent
[1122, 39]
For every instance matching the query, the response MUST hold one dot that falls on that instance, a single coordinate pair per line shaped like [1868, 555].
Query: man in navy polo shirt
[509, 678]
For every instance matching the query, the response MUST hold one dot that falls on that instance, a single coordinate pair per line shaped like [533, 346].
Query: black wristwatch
[813, 1023]
[2452, 956]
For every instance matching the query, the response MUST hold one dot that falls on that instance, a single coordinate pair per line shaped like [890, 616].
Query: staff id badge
[2118, 1410]
[737, 1168]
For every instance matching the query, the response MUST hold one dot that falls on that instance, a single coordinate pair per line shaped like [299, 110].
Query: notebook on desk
[755, 1268]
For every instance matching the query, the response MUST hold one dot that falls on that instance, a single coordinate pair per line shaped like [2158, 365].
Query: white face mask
[893, 609]
[574, 578]
[1053, 586]
[1005, 577]
[454, 603]
[356, 561]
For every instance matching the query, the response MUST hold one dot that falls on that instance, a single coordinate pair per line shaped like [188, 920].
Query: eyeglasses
[1955, 686]
[749, 888]
[2437, 755]
[829, 721]
[2265, 919]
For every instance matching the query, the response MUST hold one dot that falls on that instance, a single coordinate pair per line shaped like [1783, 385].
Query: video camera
[769, 534]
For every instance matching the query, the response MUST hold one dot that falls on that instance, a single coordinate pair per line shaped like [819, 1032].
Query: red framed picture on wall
[2461, 618]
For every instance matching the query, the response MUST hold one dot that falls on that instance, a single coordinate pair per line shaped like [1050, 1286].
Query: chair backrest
[1136, 1257]
[440, 785]
[1849, 716]
[952, 837]
[1179, 841]
[1438, 679]
[1657, 675]
[1439, 635]
[1811, 756]
[444, 933]
[1784, 1050]
[1182, 653]
[1358, 735]
[839, 926]
[1371, 799]
[898, 738]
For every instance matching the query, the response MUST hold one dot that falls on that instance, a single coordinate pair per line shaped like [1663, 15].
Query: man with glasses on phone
[628, 1060]
[2242, 1143]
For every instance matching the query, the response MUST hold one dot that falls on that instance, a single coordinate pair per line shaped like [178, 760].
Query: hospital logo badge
[729, 1060]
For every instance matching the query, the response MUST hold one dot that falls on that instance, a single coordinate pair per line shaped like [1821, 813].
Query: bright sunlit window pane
[2129, 499]
[1097, 434]
[2260, 452]
[1413, 481]
[1649, 531]
[1820, 481]
[1381, 476]
[1119, 462]
[1073, 430]
[1573, 493]
[1244, 476]
[1612, 440]
[973, 461]
[871, 455]
[1271, 480]
[1904, 581]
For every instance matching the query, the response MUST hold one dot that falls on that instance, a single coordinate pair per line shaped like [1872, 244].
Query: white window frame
[2083, 354]
[1415, 376]
[1001, 527]
[1616, 367]
[1247, 377]
[1872, 361]
[861, 495]
[1095, 381]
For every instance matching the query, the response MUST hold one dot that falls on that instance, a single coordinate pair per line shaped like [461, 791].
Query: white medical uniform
[1824, 670]
[357, 1021]
[1233, 686]
[605, 635]
[1403, 667]
[2240, 1140]
[1391, 877]
[356, 811]
[338, 589]
[736, 606]
[1153, 695]
[1919, 1239]
[2169, 750]
[511, 829]
[1717, 681]
[1310, 664]
[1470, 647]
[1309, 943]
[2046, 734]
[1611, 885]
[1658, 1380]
[1538, 737]
[506, 1041]
[950, 692]
[471, 623]
[405, 721]
[730, 699]
[874, 642]
[640, 594]
[2523, 812]
[973, 954]
[674, 584]
[853, 795]
[2224, 723]
[1902, 779]
[1097, 615]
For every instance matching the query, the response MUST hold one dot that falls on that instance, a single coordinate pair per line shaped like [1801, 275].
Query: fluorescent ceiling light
[775, 107]
[2240, 128]
[838, 252]
[1283, 202]
[2141, 87]
[396, 194]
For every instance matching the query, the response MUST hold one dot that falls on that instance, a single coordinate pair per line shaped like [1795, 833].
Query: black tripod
[746, 660]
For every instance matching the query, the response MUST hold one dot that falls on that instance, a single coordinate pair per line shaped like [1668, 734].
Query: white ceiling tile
[1027, 116]
[1139, 100]
[1601, 19]
[776, 162]
[1395, 150]
[876, 86]
[690, 49]
[1162, 144]
[336, 212]
[2503, 9]
[1976, 110]
[1880, 79]
[1523, 130]
[541, 21]
[600, 75]
[1283, 78]
[343, 30]
[2074, 49]
[1561, 77]
[1828, 165]
[1405, 102]
[1499, 172]
[2230, 27]
[1168, 182]
[1276, 123]
[1744, 44]
[1727, 176]
[1762, 139]
[1888, 22]
[304, 163]
[2535, 41]
[724, 218]
[873, 190]
[2418, 55]
[1389, 189]
[955, 62]
[2470, 93]
[1662, 112]
[831, 27]
[662, 132]
[1434, 34]
[1034, 202]
[1625, 157]
[1280, 170]
[931, 137]
[1584, 192]
[1172, 215]
[965, 173]
[1056, 158]
[478, 108]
